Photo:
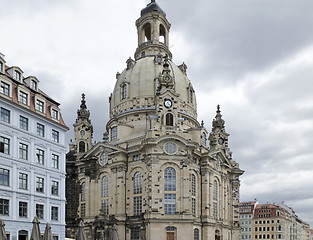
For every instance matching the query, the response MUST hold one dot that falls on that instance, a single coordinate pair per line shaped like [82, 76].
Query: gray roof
[153, 6]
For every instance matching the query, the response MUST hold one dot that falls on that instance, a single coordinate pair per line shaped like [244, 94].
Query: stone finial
[218, 123]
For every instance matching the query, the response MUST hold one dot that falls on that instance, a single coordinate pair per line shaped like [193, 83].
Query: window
[193, 194]
[191, 96]
[82, 210]
[17, 76]
[4, 207]
[170, 148]
[4, 177]
[40, 106]
[105, 195]
[203, 139]
[55, 136]
[23, 181]
[40, 156]
[22, 209]
[137, 183]
[105, 206]
[55, 161]
[23, 98]
[193, 206]
[5, 115]
[1, 66]
[215, 210]
[81, 146]
[215, 190]
[55, 238]
[33, 84]
[169, 119]
[39, 211]
[55, 114]
[23, 151]
[55, 188]
[137, 205]
[170, 203]
[137, 157]
[114, 133]
[83, 192]
[135, 233]
[4, 145]
[39, 184]
[55, 213]
[196, 234]
[40, 130]
[123, 91]
[5, 88]
[193, 185]
[24, 123]
[170, 179]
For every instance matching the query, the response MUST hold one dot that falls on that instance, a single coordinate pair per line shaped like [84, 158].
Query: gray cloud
[252, 57]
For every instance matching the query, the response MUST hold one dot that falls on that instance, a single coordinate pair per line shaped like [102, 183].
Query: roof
[152, 7]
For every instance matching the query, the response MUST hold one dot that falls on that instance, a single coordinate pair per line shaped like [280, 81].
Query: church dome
[137, 86]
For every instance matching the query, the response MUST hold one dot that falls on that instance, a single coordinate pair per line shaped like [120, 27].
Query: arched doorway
[22, 235]
[217, 235]
[170, 233]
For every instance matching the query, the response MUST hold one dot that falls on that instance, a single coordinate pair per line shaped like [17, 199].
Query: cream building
[155, 175]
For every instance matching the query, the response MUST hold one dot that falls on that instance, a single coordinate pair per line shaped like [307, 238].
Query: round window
[170, 148]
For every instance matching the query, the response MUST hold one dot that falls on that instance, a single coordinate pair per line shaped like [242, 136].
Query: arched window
[147, 32]
[193, 185]
[193, 194]
[137, 194]
[169, 119]
[82, 147]
[83, 192]
[162, 34]
[124, 91]
[170, 191]
[215, 199]
[203, 139]
[215, 190]
[137, 183]
[170, 179]
[196, 234]
[105, 195]
[105, 187]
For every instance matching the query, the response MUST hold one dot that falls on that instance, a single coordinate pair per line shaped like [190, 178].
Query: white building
[32, 156]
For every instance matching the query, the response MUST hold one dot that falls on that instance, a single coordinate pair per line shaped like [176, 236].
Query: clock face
[221, 141]
[103, 159]
[167, 103]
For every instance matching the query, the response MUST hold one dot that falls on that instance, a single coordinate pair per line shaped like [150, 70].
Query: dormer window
[55, 114]
[23, 97]
[17, 76]
[33, 84]
[5, 88]
[1, 66]
[40, 106]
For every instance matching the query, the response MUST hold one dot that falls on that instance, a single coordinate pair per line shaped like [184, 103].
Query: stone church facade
[158, 173]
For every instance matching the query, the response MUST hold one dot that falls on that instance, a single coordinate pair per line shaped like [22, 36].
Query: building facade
[32, 156]
[273, 221]
[158, 173]
[246, 218]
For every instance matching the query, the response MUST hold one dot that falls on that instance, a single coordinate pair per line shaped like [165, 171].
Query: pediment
[100, 147]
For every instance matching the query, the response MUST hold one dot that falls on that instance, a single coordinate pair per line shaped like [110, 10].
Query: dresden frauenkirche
[158, 173]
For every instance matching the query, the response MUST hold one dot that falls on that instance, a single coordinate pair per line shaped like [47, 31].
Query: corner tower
[83, 129]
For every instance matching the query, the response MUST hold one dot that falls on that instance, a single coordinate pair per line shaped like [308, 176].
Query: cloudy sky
[254, 58]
